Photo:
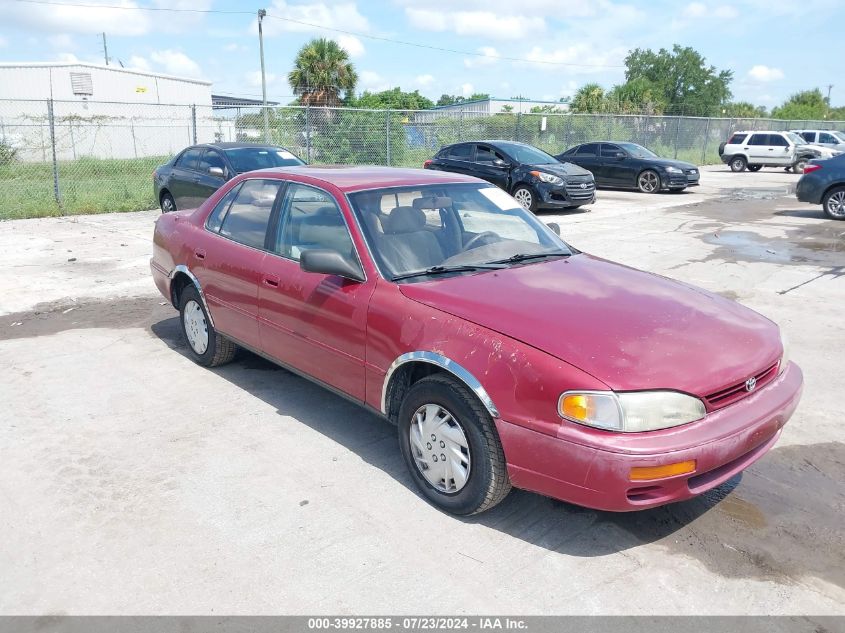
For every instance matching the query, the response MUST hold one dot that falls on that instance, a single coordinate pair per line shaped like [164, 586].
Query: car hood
[669, 162]
[630, 329]
[562, 169]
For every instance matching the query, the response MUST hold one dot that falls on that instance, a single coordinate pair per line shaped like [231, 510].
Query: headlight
[784, 359]
[549, 178]
[674, 170]
[632, 411]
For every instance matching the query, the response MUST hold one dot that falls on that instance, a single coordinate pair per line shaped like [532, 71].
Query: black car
[533, 177]
[631, 166]
[198, 171]
[823, 183]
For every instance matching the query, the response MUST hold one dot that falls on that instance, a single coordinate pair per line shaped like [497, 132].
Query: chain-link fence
[84, 156]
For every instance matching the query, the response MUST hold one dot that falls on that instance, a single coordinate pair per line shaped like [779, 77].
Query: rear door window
[190, 158]
[249, 216]
[460, 152]
[589, 149]
[759, 139]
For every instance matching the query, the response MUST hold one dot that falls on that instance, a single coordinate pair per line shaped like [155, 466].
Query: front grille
[692, 175]
[576, 192]
[737, 391]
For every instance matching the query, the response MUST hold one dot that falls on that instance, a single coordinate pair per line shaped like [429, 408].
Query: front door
[491, 166]
[315, 323]
[206, 182]
[614, 170]
[183, 179]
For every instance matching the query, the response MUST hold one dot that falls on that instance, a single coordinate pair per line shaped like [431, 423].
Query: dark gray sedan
[823, 183]
[198, 171]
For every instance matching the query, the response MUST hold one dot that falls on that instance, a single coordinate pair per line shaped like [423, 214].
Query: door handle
[199, 253]
[271, 280]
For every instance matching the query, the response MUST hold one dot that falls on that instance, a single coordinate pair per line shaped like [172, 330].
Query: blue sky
[774, 47]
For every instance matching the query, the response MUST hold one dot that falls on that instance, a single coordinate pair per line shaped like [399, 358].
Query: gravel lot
[133, 481]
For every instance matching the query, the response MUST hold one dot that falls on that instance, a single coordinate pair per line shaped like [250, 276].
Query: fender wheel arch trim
[181, 268]
[443, 362]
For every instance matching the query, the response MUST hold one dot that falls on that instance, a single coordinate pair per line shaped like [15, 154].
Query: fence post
[308, 131]
[706, 139]
[677, 134]
[56, 192]
[568, 131]
[461, 125]
[194, 123]
[387, 134]
[518, 124]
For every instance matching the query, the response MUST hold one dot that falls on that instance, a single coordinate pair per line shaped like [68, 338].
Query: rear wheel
[798, 166]
[834, 203]
[648, 181]
[451, 447]
[738, 163]
[168, 204]
[755, 167]
[526, 198]
[206, 346]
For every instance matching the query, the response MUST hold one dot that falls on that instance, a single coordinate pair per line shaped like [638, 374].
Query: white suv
[825, 138]
[755, 149]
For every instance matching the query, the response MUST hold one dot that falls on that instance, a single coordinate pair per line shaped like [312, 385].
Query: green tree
[393, 99]
[322, 71]
[588, 99]
[446, 99]
[808, 104]
[546, 109]
[636, 96]
[682, 79]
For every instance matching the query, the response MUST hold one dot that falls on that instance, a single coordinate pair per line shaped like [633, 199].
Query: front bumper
[591, 468]
[679, 181]
[569, 194]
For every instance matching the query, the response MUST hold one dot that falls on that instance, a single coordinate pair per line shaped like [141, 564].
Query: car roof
[350, 178]
[238, 145]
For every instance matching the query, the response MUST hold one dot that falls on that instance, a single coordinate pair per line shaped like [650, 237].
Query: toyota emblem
[583, 185]
[750, 384]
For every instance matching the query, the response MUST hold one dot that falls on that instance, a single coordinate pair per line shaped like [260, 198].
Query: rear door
[182, 183]
[492, 166]
[458, 159]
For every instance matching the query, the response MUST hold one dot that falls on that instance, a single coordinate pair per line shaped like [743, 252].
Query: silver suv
[825, 138]
[755, 149]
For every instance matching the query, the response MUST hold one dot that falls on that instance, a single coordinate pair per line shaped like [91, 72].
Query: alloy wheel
[649, 181]
[524, 198]
[196, 328]
[440, 448]
[836, 204]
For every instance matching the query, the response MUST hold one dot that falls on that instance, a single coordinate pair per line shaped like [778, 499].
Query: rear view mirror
[330, 262]
[216, 171]
[554, 226]
[433, 202]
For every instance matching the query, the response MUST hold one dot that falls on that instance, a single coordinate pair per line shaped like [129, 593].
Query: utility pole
[829, 88]
[261, 14]
[105, 50]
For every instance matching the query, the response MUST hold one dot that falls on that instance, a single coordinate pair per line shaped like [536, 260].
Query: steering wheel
[476, 238]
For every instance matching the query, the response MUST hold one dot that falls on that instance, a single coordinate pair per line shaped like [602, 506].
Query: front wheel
[526, 198]
[451, 447]
[648, 181]
[834, 203]
[206, 346]
[755, 167]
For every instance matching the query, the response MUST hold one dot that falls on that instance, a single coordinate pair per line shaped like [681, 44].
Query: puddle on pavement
[792, 249]
[760, 194]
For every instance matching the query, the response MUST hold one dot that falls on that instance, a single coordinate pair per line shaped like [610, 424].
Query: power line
[335, 30]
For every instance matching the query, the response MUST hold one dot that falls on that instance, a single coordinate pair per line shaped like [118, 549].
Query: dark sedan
[823, 183]
[533, 177]
[190, 177]
[631, 166]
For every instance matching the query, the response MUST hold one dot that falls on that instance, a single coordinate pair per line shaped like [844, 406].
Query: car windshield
[637, 151]
[250, 158]
[449, 229]
[796, 139]
[527, 155]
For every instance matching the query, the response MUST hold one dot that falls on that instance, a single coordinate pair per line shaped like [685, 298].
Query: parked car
[196, 172]
[505, 356]
[534, 178]
[825, 138]
[632, 166]
[823, 183]
[754, 150]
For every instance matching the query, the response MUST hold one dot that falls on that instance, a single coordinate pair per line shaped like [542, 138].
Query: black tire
[738, 163]
[487, 482]
[219, 349]
[798, 166]
[833, 203]
[526, 193]
[755, 167]
[648, 181]
[167, 203]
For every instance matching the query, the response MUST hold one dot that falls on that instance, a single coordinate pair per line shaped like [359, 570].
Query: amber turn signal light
[639, 473]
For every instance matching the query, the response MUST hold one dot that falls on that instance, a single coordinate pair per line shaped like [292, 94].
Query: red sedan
[505, 356]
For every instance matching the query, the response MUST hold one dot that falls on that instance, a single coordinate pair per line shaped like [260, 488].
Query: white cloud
[467, 90]
[699, 10]
[484, 23]
[253, 78]
[351, 45]
[490, 54]
[372, 81]
[233, 47]
[765, 73]
[176, 63]
[695, 10]
[61, 40]
[423, 81]
[577, 58]
[67, 57]
[58, 18]
[342, 15]
[139, 63]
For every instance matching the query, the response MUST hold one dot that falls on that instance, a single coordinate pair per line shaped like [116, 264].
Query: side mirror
[216, 171]
[554, 226]
[498, 162]
[620, 155]
[330, 262]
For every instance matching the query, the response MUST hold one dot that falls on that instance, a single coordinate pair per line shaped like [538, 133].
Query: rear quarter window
[737, 139]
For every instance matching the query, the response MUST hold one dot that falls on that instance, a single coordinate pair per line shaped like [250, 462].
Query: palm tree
[321, 71]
